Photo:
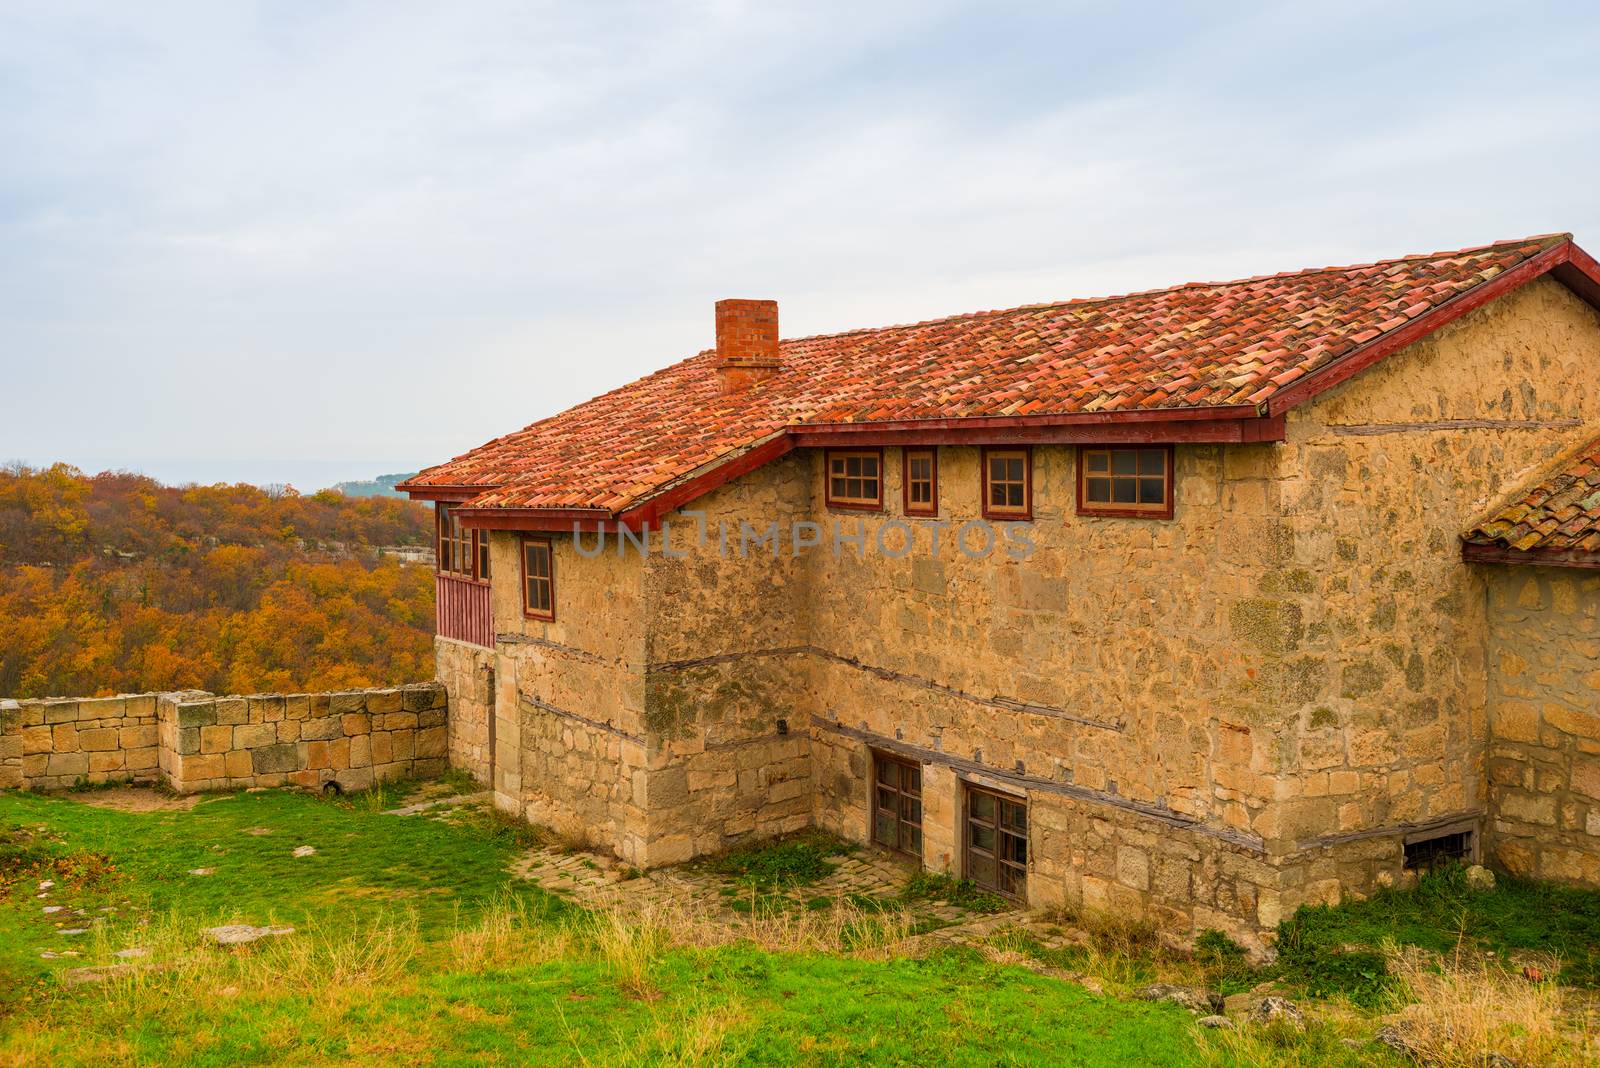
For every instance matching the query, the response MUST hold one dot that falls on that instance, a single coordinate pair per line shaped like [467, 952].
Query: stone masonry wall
[197, 741]
[1544, 722]
[1379, 683]
[569, 697]
[467, 672]
[60, 742]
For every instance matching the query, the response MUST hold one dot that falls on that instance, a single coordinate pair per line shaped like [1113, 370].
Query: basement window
[1434, 850]
[897, 804]
[1125, 481]
[855, 479]
[922, 482]
[997, 842]
[538, 579]
[1007, 484]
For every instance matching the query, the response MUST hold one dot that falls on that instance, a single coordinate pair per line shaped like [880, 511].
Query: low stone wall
[197, 741]
[467, 671]
[55, 743]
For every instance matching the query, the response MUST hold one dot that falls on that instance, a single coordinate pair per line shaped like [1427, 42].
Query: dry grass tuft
[507, 933]
[1462, 1008]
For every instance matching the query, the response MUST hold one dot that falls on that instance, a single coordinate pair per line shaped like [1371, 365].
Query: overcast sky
[311, 241]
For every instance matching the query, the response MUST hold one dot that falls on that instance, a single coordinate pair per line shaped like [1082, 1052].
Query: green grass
[1337, 949]
[416, 946]
[366, 863]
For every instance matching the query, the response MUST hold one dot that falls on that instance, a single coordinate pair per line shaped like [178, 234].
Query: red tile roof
[1206, 349]
[1560, 514]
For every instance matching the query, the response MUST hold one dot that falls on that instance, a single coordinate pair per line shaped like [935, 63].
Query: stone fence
[193, 740]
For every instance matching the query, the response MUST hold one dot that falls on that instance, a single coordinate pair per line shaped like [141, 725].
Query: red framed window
[855, 479]
[538, 578]
[921, 481]
[1008, 483]
[461, 551]
[1116, 480]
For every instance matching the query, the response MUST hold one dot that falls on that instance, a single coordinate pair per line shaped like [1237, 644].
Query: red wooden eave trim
[442, 493]
[1212, 431]
[989, 422]
[1571, 266]
[1474, 553]
[650, 512]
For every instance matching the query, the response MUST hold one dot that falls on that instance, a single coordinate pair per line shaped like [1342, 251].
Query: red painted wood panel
[462, 611]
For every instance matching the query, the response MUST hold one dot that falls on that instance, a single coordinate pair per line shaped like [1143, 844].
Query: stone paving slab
[603, 882]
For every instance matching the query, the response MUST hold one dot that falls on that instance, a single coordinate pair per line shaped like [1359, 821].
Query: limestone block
[64, 738]
[232, 710]
[275, 758]
[380, 702]
[340, 704]
[382, 747]
[204, 767]
[238, 764]
[216, 739]
[297, 706]
[37, 740]
[99, 740]
[403, 744]
[104, 761]
[200, 714]
[288, 730]
[417, 698]
[144, 759]
[360, 751]
[60, 712]
[430, 742]
[137, 737]
[320, 729]
[251, 735]
[354, 723]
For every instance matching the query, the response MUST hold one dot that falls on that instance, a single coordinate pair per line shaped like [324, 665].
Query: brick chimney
[747, 342]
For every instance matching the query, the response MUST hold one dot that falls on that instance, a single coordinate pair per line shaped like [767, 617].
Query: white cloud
[395, 230]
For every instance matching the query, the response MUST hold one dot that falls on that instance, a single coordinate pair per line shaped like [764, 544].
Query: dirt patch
[135, 799]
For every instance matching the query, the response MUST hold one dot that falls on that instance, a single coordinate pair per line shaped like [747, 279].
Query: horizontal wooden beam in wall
[1500, 554]
[1025, 782]
[1364, 430]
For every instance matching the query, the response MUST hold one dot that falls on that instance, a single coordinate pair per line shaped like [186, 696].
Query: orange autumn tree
[118, 584]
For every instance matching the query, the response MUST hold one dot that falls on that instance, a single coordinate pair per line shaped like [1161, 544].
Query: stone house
[1201, 603]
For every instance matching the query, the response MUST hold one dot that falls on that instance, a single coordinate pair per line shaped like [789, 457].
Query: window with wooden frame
[538, 578]
[1125, 480]
[1008, 483]
[996, 853]
[462, 552]
[855, 479]
[921, 482]
[897, 803]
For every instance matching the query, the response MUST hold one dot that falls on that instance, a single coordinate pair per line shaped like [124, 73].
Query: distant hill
[116, 583]
[382, 486]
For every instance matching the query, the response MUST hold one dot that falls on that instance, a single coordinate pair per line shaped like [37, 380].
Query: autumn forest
[114, 583]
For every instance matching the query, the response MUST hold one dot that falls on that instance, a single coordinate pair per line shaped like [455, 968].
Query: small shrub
[781, 863]
[963, 893]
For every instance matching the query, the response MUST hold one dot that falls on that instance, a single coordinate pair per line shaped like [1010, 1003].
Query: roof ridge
[1545, 240]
